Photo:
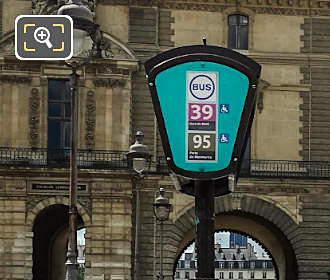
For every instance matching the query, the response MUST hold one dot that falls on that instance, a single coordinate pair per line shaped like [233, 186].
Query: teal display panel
[204, 107]
[202, 112]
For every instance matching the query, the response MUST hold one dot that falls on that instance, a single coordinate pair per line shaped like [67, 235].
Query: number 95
[202, 141]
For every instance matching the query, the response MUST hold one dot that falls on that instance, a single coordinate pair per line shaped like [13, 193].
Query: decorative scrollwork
[90, 120]
[8, 46]
[44, 7]
[34, 117]
[49, 7]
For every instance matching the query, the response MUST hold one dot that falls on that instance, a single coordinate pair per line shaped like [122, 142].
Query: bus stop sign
[204, 99]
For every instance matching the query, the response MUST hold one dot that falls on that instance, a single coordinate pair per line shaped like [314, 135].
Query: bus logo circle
[202, 87]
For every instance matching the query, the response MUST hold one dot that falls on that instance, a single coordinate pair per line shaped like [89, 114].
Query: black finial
[204, 40]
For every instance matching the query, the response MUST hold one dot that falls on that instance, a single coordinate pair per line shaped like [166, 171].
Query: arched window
[238, 31]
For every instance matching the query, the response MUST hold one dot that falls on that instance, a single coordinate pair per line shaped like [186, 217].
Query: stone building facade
[282, 198]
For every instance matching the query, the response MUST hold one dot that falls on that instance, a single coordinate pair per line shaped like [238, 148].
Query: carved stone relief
[2, 185]
[15, 79]
[149, 3]
[43, 81]
[34, 117]
[90, 120]
[17, 185]
[97, 187]
[260, 94]
[32, 202]
[49, 7]
[8, 46]
[107, 49]
[86, 203]
[108, 83]
[20, 67]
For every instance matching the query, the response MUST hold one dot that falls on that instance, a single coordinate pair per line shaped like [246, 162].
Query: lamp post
[138, 156]
[162, 209]
[83, 27]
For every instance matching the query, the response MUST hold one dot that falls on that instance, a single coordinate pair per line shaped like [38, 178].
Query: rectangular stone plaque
[56, 187]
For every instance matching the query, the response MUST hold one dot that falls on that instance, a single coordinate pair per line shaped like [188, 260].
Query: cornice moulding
[278, 7]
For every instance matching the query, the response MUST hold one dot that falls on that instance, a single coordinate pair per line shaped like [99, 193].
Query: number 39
[204, 111]
[201, 141]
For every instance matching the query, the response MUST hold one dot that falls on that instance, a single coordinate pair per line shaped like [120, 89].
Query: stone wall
[105, 208]
[15, 240]
[109, 237]
[312, 241]
[143, 24]
[113, 19]
[12, 9]
[315, 35]
[190, 26]
[316, 116]
[144, 259]
[276, 128]
[112, 110]
[149, 31]
[14, 114]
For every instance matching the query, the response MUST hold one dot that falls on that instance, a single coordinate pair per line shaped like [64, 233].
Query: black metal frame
[219, 55]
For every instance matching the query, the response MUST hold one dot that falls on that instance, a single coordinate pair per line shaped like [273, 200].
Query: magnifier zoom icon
[42, 35]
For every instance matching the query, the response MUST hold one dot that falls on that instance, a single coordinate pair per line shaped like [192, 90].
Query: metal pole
[161, 250]
[137, 234]
[204, 212]
[72, 253]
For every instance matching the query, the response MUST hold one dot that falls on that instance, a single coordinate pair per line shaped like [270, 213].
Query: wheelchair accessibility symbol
[224, 138]
[224, 108]
[43, 37]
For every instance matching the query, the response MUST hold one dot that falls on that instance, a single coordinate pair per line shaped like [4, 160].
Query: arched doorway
[275, 242]
[252, 216]
[50, 242]
[237, 256]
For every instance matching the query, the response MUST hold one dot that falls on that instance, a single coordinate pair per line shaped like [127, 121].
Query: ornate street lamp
[139, 155]
[162, 209]
[83, 27]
